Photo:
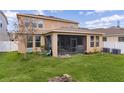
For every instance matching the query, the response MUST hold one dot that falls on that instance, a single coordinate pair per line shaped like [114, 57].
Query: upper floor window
[92, 41]
[27, 22]
[121, 39]
[34, 25]
[40, 24]
[97, 41]
[104, 38]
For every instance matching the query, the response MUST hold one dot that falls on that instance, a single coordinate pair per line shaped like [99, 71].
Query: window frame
[37, 41]
[91, 41]
[120, 40]
[97, 41]
[40, 23]
[26, 21]
[30, 41]
[104, 39]
[40, 26]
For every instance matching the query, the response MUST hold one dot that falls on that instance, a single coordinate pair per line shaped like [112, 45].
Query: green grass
[86, 68]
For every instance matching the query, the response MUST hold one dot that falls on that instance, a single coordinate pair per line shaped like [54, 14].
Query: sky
[86, 18]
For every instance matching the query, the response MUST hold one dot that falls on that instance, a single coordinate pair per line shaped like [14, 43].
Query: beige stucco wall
[54, 39]
[50, 24]
[47, 24]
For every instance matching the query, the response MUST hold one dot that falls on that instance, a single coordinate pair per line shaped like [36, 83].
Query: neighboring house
[3, 27]
[5, 44]
[113, 40]
[59, 35]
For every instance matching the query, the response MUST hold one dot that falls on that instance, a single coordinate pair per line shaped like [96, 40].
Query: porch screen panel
[48, 45]
[68, 44]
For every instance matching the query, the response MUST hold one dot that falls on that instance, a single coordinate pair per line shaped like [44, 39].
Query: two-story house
[3, 27]
[62, 36]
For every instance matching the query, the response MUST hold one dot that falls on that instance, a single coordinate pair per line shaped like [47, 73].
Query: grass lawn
[86, 68]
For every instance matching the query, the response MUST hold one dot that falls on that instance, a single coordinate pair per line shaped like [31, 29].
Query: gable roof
[48, 17]
[110, 31]
[1, 12]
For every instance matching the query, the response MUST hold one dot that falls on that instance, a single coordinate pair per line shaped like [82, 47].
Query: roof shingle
[110, 31]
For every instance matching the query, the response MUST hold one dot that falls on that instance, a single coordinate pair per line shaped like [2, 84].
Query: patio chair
[49, 52]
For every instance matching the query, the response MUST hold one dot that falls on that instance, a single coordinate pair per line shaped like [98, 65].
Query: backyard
[85, 68]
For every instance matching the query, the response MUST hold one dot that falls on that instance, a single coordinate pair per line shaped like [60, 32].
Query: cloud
[55, 11]
[101, 11]
[10, 14]
[12, 19]
[104, 21]
[81, 12]
[85, 13]
[39, 12]
[93, 12]
[89, 13]
[100, 25]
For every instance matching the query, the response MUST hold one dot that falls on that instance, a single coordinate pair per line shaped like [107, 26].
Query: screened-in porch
[70, 44]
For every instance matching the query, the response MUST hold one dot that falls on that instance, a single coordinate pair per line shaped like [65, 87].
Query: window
[48, 42]
[0, 25]
[34, 25]
[27, 22]
[97, 41]
[29, 41]
[104, 38]
[92, 41]
[37, 40]
[40, 24]
[121, 39]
